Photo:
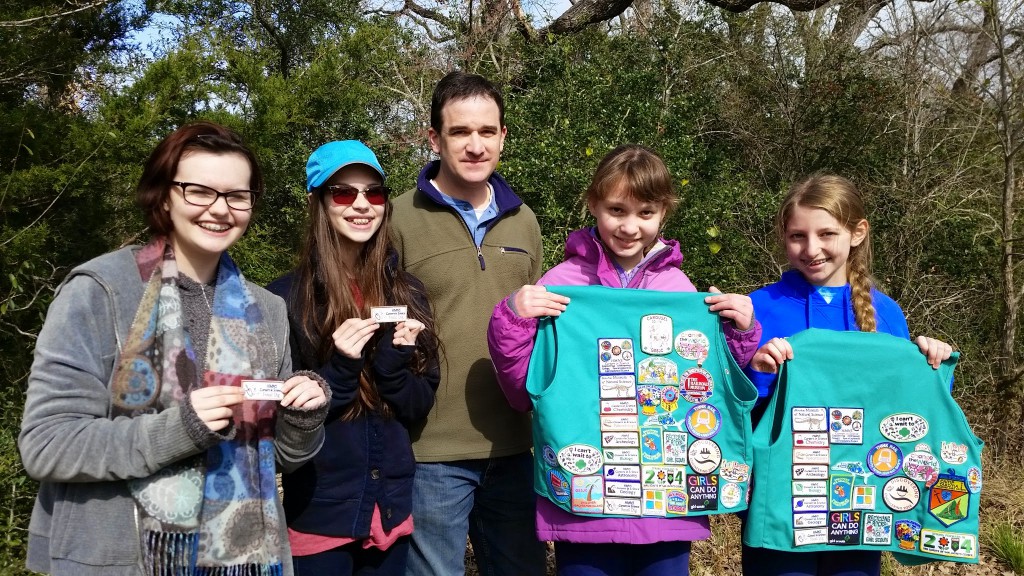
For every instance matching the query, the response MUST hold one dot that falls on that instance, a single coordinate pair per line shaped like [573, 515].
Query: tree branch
[584, 13]
[31, 21]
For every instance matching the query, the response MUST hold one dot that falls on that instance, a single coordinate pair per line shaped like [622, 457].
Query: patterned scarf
[214, 514]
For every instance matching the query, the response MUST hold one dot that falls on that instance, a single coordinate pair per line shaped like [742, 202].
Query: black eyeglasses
[199, 195]
[345, 195]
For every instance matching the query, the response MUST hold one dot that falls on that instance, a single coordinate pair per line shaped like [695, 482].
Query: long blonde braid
[843, 201]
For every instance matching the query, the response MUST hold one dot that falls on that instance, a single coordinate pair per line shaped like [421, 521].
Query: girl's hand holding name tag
[303, 392]
[405, 332]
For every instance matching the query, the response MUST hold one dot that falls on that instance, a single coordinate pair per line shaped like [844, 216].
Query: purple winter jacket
[510, 339]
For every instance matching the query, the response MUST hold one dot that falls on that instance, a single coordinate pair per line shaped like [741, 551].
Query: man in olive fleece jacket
[471, 241]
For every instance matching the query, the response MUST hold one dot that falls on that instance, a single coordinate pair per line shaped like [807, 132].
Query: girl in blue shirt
[822, 228]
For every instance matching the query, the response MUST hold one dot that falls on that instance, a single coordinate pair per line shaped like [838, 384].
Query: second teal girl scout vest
[863, 448]
[639, 408]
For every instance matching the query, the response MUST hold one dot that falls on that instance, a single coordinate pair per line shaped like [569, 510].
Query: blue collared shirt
[477, 225]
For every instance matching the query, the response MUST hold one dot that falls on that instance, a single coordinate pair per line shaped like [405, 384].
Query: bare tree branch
[31, 21]
[584, 13]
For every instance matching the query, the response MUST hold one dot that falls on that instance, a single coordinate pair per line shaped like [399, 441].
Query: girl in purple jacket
[630, 196]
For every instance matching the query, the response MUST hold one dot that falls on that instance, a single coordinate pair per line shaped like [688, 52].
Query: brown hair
[640, 171]
[322, 296]
[162, 165]
[457, 85]
[843, 201]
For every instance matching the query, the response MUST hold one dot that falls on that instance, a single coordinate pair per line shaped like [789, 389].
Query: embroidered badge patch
[844, 528]
[693, 345]
[884, 459]
[903, 427]
[618, 386]
[704, 456]
[587, 494]
[654, 502]
[949, 499]
[702, 492]
[663, 476]
[675, 447]
[697, 385]
[901, 494]
[656, 334]
[907, 533]
[615, 356]
[953, 544]
[877, 529]
[703, 420]
[921, 466]
[846, 425]
[675, 502]
[810, 520]
[809, 419]
[810, 536]
[953, 453]
[648, 397]
[658, 371]
[810, 472]
[558, 485]
[840, 493]
[623, 506]
[651, 446]
[580, 459]
[810, 488]
[621, 455]
[864, 497]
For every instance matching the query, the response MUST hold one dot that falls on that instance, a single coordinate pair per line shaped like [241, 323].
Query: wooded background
[920, 102]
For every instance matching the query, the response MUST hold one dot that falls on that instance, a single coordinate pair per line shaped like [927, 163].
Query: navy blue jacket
[792, 305]
[368, 460]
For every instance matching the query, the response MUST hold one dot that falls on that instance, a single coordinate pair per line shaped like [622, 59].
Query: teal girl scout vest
[862, 447]
[639, 407]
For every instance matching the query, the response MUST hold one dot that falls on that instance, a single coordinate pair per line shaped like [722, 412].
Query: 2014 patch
[952, 544]
[663, 476]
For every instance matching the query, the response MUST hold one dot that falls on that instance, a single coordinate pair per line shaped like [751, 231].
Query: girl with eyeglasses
[349, 510]
[150, 457]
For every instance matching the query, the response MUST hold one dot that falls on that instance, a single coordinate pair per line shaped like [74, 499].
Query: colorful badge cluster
[878, 498]
[658, 454]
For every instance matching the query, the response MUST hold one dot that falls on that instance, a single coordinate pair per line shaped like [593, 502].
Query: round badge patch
[903, 427]
[558, 485]
[884, 459]
[696, 385]
[669, 398]
[921, 466]
[730, 495]
[580, 459]
[549, 456]
[693, 345]
[704, 456]
[703, 420]
[901, 494]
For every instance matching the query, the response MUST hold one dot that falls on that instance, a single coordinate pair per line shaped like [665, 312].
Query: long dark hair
[322, 296]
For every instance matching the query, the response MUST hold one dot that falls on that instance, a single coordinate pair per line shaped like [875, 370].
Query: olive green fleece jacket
[471, 418]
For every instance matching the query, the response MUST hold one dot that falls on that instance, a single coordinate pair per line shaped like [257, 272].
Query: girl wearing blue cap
[349, 509]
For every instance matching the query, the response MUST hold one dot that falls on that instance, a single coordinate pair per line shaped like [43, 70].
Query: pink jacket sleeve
[510, 340]
[742, 343]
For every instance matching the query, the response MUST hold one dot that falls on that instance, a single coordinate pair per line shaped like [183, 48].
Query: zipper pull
[480, 257]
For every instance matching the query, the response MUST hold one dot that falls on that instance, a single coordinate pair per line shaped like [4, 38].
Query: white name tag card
[389, 313]
[263, 389]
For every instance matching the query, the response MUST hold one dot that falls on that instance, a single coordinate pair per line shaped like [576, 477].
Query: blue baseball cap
[333, 156]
